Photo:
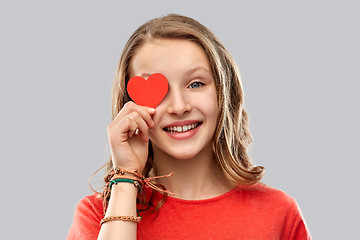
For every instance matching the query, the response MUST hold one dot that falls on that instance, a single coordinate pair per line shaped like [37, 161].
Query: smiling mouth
[182, 129]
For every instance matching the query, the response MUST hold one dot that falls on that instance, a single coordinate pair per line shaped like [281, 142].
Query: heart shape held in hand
[148, 92]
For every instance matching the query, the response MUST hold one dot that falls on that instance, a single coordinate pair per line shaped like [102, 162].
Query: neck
[193, 179]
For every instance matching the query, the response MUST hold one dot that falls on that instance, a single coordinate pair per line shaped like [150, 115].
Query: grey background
[300, 67]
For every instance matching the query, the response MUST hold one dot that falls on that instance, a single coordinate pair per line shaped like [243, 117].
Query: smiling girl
[199, 133]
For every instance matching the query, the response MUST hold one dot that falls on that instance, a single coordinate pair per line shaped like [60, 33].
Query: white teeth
[179, 129]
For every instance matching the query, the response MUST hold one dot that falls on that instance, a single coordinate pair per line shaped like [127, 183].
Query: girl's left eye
[196, 84]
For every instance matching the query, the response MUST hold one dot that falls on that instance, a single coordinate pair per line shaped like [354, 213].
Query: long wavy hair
[232, 135]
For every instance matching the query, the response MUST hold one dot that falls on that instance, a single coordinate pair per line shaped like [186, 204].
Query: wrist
[122, 200]
[124, 189]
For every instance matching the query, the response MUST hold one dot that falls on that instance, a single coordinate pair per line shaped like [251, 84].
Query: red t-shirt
[256, 212]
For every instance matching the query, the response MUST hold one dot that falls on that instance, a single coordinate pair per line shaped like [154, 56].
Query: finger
[144, 135]
[132, 127]
[145, 112]
[150, 110]
[121, 123]
[143, 128]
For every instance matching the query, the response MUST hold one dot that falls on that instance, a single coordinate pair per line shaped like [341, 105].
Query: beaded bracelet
[122, 171]
[122, 218]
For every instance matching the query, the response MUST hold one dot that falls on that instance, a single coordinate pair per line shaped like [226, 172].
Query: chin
[182, 155]
[183, 152]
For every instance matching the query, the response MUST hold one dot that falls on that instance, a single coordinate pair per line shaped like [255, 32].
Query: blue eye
[195, 84]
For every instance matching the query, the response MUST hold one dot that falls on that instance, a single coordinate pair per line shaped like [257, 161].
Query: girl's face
[186, 119]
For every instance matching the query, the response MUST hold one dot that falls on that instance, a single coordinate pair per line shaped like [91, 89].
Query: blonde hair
[232, 135]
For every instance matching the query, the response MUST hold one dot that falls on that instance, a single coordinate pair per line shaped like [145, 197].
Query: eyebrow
[199, 68]
[193, 70]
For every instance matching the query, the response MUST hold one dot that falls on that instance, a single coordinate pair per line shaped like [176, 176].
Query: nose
[178, 102]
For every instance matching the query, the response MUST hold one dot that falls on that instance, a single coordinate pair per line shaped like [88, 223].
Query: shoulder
[87, 216]
[262, 192]
[274, 206]
[263, 198]
[90, 205]
[93, 201]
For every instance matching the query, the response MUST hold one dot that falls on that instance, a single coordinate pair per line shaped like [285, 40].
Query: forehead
[168, 56]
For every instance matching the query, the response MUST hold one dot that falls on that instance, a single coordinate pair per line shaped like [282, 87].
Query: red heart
[148, 92]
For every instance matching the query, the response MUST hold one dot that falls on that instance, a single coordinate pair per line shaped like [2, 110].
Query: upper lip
[181, 123]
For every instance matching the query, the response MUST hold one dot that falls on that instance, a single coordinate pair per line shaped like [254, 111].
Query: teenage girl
[197, 137]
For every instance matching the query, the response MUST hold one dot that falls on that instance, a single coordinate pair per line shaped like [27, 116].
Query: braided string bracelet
[145, 181]
[122, 171]
[128, 180]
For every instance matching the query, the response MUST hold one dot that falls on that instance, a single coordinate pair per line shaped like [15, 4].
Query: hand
[129, 150]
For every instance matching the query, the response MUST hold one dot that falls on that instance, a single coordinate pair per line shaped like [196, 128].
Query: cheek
[208, 104]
